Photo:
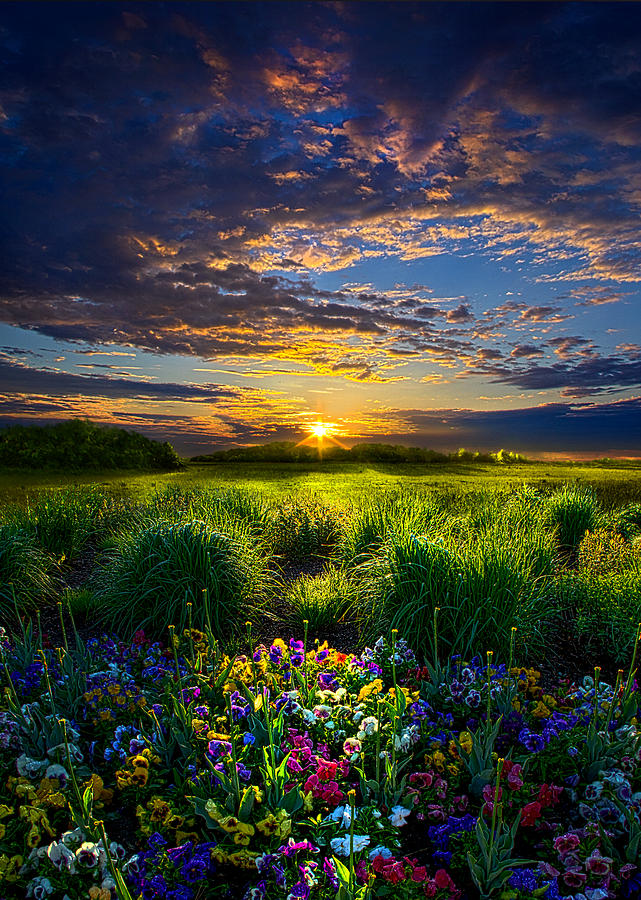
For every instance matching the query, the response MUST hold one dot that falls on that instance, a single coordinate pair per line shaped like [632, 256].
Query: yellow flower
[98, 893]
[243, 859]
[5, 810]
[541, 711]
[368, 689]
[10, 867]
[219, 855]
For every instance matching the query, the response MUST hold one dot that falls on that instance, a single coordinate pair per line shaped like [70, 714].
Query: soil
[566, 658]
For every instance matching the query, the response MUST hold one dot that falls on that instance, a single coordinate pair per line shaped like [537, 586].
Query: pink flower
[514, 779]
[574, 877]
[566, 843]
[597, 864]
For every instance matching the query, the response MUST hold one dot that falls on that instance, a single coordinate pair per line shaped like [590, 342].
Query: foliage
[298, 528]
[324, 601]
[80, 444]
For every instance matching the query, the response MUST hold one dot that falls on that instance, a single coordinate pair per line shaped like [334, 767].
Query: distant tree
[80, 444]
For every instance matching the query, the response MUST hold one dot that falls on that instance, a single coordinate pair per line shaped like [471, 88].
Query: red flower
[549, 795]
[531, 813]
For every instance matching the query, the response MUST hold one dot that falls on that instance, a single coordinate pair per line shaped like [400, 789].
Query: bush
[147, 583]
[325, 600]
[573, 511]
[24, 571]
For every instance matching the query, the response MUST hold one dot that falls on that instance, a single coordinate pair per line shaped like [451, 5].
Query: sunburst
[321, 431]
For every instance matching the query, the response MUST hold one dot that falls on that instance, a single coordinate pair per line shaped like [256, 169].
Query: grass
[149, 580]
[25, 578]
[325, 601]
[573, 511]
[488, 550]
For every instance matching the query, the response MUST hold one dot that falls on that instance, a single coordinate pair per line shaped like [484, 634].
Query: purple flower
[195, 869]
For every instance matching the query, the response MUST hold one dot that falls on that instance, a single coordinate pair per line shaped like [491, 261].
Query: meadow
[339, 680]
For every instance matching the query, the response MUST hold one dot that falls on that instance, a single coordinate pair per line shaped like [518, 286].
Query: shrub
[147, 583]
[325, 600]
[573, 511]
[24, 572]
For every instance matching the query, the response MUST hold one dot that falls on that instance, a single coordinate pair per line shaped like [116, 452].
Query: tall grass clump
[483, 586]
[367, 529]
[147, 582]
[628, 521]
[62, 521]
[606, 610]
[572, 511]
[219, 508]
[324, 601]
[301, 527]
[24, 573]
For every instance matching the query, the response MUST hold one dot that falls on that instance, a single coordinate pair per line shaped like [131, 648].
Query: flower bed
[141, 770]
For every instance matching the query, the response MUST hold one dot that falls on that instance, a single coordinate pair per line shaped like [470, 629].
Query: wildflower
[39, 888]
[340, 846]
[597, 864]
[399, 816]
[88, 855]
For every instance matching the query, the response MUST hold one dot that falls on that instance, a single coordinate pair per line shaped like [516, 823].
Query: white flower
[399, 816]
[340, 846]
[368, 727]
[88, 854]
[29, 768]
[73, 838]
[342, 814]
[61, 857]
[379, 851]
[39, 888]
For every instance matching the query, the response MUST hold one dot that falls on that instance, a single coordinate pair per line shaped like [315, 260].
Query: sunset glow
[418, 220]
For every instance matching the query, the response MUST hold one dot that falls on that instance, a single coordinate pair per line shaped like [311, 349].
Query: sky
[419, 222]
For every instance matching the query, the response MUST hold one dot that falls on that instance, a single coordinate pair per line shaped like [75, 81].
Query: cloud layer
[247, 180]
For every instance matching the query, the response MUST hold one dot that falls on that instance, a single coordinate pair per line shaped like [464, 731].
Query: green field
[613, 482]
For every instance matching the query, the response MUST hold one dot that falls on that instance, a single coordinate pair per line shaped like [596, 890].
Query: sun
[319, 430]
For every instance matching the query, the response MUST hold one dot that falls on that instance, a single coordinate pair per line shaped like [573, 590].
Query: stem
[597, 675]
[613, 702]
[121, 887]
[632, 671]
[488, 720]
[172, 638]
[248, 625]
[233, 749]
[305, 629]
[499, 769]
[47, 681]
[73, 624]
[352, 798]
[62, 626]
[378, 742]
[192, 652]
[437, 610]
